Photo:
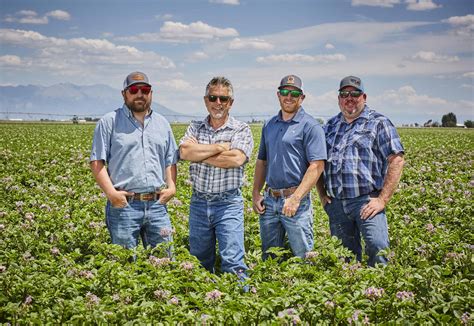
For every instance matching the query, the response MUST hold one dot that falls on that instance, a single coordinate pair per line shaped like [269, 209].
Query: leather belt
[145, 196]
[281, 192]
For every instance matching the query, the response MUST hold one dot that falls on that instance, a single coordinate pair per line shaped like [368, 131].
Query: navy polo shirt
[289, 146]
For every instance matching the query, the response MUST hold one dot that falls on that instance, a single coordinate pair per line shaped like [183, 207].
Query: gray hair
[221, 81]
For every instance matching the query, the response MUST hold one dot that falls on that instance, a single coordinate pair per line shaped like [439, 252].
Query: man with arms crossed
[218, 148]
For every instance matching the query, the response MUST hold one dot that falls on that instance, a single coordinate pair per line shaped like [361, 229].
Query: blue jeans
[346, 224]
[274, 225]
[218, 217]
[145, 219]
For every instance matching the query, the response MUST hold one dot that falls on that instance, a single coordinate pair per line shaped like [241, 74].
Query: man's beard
[139, 107]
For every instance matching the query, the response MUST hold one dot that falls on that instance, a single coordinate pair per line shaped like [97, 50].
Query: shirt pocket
[362, 140]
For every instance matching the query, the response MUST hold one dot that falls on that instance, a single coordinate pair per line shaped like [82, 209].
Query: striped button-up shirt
[207, 178]
[358, 152]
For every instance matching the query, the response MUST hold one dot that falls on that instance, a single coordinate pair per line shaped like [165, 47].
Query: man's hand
[118, 198]
[191, 140]
[224, 146]
[257, 201]
[166, 194]
[290, 206]
[325, 199]
[372, 208]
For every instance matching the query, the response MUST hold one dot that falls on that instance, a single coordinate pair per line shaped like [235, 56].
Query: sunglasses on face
[345, 94]
[285, 92]
[222, 99]
[134, 89]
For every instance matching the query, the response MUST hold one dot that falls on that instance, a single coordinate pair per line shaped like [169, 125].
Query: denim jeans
[346, 224]
[218, 217]
[139, 219]
[274, 225]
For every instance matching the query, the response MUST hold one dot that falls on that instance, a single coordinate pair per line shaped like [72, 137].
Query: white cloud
[464, 25]
[375, 3]
[329, 46]
[27, 13]
[31, 17]
[469, 86]
[252, 43]
[226, 2]
[198, 56]
[178, 84]
[301, 58]
[32, 20]
[428, 56]
[421, 5]
[59, 14]
[10, 60]
[469, 74]
[407, 103]
[76, 53]
[176, 32]
[197, 30]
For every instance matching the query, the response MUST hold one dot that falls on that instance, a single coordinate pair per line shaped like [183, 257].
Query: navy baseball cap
[291, 80]
[352, 81]
[135, 77]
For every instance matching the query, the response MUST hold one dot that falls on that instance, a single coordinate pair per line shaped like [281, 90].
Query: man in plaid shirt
[218, 148]
[364, 166]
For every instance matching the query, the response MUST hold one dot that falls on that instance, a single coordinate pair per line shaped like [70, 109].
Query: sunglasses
[223, 99]
[345, 94]
[134, 89]
[285, 92]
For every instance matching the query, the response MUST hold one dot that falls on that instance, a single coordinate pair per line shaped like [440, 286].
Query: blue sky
[415, 57]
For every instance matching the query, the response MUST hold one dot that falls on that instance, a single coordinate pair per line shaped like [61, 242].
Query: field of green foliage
[57, 264]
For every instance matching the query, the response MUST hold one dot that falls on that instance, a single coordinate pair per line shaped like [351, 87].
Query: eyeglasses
[293, 93]
[223, 99]
[345, 94]
[146, 89]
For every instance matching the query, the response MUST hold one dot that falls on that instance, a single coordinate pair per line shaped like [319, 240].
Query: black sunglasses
[223, 99]
[345, 94]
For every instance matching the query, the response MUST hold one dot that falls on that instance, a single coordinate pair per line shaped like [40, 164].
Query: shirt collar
[230, 123]
[296, 118]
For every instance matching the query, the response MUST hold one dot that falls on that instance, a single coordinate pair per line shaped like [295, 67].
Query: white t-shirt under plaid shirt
[208, 178]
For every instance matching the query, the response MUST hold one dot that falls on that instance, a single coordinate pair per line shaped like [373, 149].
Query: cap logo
[355, 81]
[137, 77]
[291, 80]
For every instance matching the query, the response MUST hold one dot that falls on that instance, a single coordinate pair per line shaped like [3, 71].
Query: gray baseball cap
[292, 80]
[135, 77]
[352, 81]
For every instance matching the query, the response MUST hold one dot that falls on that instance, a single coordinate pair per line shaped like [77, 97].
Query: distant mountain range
[63, 101]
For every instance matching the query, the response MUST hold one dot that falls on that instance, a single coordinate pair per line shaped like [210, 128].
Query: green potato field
[57, 264]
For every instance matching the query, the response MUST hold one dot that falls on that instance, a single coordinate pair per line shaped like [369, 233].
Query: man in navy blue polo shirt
[290, 160]
[365, 162]
[133, 160]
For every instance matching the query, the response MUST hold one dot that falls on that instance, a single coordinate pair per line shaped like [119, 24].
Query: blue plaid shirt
[358, 152]
[207, 178]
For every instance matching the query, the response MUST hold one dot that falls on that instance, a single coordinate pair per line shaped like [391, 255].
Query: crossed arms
[218, 155]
